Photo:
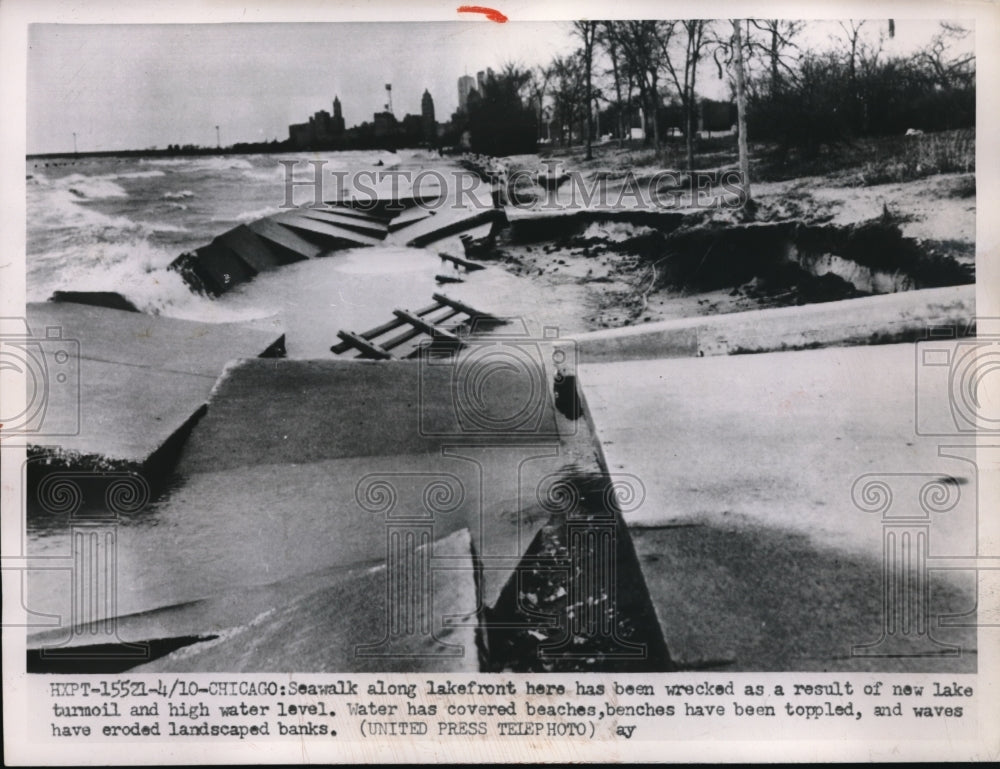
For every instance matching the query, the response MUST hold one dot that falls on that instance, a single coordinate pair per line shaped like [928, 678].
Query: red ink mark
[489, 13]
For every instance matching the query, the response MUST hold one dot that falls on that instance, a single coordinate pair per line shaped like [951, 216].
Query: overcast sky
[137, 86]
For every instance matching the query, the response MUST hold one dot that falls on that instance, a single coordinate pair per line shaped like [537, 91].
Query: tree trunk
[644, 118]
[774, 54]
[689, 109]
[589, 54]
[655, 110]
[741, 108]
[618, 99]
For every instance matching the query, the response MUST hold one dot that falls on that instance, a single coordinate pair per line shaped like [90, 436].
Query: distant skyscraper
[427, 117]
[481, 80]
[337, 121]
[466, 85]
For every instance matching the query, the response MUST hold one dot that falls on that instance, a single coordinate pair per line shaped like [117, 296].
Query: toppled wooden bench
[375, 344]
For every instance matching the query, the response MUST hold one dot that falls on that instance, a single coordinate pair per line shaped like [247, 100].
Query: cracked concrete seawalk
[124, 386]
[759, 540]
[302, 467]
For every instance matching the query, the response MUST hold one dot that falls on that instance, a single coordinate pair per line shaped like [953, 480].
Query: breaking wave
[200, 164]
[246, 216]
[91, 187]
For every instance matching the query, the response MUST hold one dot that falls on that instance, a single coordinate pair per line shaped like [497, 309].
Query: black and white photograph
[500, 377]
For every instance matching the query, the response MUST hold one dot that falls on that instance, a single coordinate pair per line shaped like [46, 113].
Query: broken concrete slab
[152, 341]
[109, 299]
[241, 253]
[252, 249]
[134, 379]
[734, 597]
[265, 412]
[330, 235]
[779, 437]
[256, 525]
[445, 222]
[366, 213]
[213, 269]
[361, 621]
[232, 258]
[282, 238]
[370, 227]
[756, 475]
[408, 217]
[305, 414]
[904, 316]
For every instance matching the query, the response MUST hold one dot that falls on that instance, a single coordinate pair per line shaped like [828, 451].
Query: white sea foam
[86, 232]
[137, 270]
[200, 163]
[246, 216]
[91, 187]
[141, 174]
[59, 207]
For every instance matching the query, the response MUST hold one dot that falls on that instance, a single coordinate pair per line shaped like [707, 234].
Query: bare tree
[517, 79]
[741, 108]
[778, 39]
[852, 33]
[642, 42]
[943, 69]
[682, 62]
[608, 38]
[538, 84]
[568, 93]
[735, 51]
[587, 31]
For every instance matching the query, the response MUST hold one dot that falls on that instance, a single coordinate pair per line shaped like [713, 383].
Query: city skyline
[138, 86]
[116, 87]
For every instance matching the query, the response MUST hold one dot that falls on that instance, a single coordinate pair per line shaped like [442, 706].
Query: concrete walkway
[129, 381]
[903, 316]
[753, 547]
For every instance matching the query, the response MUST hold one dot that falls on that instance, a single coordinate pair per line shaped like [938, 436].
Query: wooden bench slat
[385, 328]
[412, 333]
[472, 312]
[369, 349]
[462, 262]
[436, 332]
